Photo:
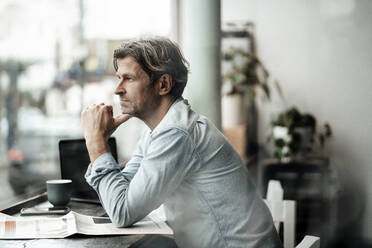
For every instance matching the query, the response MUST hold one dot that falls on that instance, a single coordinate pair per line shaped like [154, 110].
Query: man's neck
[156, 116]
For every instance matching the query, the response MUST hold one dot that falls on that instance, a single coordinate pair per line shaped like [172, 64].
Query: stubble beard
[136, 111]
[128, 109]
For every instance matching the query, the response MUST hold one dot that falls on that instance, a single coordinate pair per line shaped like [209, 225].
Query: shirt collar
[166, 119]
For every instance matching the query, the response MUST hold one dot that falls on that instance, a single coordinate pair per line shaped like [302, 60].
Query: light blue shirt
[188, 165]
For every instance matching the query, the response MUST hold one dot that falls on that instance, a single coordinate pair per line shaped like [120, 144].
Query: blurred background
[287, 81]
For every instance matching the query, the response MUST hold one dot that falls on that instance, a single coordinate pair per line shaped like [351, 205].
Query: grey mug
[59, 192]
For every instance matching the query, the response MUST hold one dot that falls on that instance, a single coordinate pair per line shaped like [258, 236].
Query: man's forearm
[96, 147]
[112, 187]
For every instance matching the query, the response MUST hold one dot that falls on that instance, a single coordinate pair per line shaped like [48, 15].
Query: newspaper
[72, 223]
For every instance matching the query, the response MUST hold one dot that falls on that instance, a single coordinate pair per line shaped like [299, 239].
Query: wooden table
[76, 240]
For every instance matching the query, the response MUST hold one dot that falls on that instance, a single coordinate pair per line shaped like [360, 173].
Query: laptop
[74, 161]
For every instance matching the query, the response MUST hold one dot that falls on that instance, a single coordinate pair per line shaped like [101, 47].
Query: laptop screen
[74, 161]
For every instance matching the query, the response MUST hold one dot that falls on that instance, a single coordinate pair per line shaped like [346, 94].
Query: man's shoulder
[170, 131]
[179, 119]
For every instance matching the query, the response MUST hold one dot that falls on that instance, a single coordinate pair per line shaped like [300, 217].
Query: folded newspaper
[72, 223]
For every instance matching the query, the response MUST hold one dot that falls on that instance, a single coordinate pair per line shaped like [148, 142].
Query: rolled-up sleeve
[102, 166]
[128, 197]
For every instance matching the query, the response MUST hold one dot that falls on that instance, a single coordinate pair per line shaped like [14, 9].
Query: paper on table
[40, 227]
[71, 223]
[151, 224]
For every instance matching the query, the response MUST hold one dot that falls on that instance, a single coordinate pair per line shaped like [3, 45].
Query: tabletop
[76, 240]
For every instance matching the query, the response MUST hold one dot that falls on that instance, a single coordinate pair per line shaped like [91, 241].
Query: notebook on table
[74, 161]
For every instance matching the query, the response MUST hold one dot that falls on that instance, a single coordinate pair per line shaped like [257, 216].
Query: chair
[309, 183]
[309, 242]
[284, 211]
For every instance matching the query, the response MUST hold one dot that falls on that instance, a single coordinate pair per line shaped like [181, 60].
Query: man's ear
[165, 84]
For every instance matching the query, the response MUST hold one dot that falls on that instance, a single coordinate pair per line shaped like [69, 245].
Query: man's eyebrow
[124, 74]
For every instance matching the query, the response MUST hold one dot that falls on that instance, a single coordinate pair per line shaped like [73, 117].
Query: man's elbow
[121, 219]
[121, 222]
[118, 212]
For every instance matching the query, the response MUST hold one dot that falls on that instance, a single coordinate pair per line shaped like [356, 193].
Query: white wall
[321, 53]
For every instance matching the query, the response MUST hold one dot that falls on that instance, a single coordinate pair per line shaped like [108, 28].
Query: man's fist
[98, 124]
[98, 121]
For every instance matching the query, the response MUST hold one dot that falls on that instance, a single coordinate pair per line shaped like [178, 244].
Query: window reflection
[55, 59]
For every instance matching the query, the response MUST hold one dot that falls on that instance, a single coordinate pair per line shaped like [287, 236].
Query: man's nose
[119, 90]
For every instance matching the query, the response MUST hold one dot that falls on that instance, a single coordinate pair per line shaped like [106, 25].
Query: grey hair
[157, 56]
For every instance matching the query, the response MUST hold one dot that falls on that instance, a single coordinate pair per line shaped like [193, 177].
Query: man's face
[137, 96]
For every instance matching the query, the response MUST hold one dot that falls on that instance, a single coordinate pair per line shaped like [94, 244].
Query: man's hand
[98, 124]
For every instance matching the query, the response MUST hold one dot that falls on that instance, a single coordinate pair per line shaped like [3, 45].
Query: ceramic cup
[59, 192]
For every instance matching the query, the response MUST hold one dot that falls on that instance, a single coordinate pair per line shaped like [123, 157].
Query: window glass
[56, 59]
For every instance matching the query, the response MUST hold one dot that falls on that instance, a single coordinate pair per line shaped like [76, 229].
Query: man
[182, 160]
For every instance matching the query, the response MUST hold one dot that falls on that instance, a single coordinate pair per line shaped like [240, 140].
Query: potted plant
[295, 134]
[246, 73]
[243, 76]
